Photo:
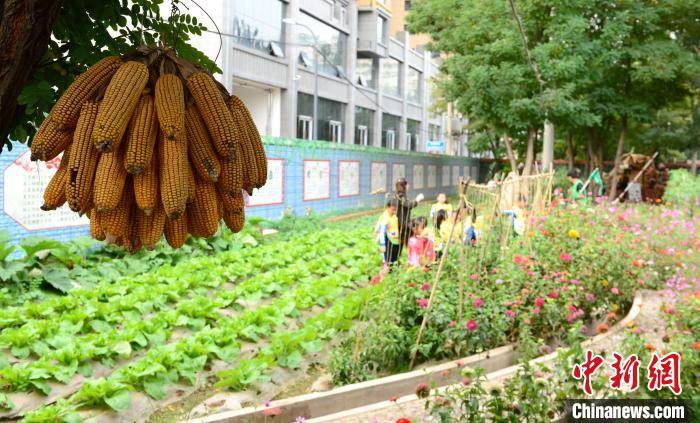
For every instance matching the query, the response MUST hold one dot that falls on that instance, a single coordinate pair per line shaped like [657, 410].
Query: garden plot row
[172, 298]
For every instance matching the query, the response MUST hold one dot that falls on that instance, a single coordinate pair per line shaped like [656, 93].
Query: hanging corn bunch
[157, 147]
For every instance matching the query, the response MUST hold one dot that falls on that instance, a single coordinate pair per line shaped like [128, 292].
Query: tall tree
[46, 43]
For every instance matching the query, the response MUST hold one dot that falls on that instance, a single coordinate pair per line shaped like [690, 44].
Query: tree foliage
[606, 65]
[84, 32]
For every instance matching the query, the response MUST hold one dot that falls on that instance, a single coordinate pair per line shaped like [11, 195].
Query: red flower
[452, 324]
[536, 310]
[602, 328]
[539, 301]
[422, 390]
[552, 294]
[403, 420]
[422, 302]
[472, 325]
[510, 313]
[565, 257]
[478, 302]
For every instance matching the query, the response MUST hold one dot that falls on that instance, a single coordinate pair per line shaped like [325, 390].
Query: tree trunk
[589, 152]
[509, 153]
[25, 29]
[530, 156]
[570, 152]
[618, 159]
[694, 160]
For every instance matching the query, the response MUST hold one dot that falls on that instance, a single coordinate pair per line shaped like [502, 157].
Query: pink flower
[473, 276]
[452, 324]
[590, 297]
[614, 290]
[478, 302]
[272, 411]
[499, 281]
[539, 301]
[422, 302]
[536, 310]
[565, 257]
[471, 325]
[552, 294]
[572, 308]
[425, 287]
[510, 313]
[570, 317]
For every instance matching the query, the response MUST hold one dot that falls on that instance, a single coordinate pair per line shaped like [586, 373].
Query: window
[366, 72]
[413, 86]
[412, 134]
[305, 126]
[336, 130]
[408, 140]
[434, 132]
[381, 23]
[258, 24]
[390, 76]
[330, 115]
[332, 44]
[364, 121]
[407, 5]
[390, 125]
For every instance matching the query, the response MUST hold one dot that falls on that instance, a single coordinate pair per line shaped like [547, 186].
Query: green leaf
[292, 360]
[122, 348]
[41, 386]
[100, 326]
[119, 401]
[155, 388]
[5, 402]
[58, 277]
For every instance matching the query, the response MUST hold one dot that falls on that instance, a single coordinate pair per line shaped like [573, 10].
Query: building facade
[282, 56]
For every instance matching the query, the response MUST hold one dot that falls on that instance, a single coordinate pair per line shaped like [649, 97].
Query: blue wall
[293, 153]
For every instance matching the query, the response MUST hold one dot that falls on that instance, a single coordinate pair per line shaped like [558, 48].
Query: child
[441, 204]
[517, 216]
[437, 239]
[420, 249]
[470, 232]
[387, 232]
[576, 191]
[446, 228]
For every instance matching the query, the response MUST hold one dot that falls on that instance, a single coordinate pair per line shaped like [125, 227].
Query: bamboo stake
[646, 165]
[463, 187]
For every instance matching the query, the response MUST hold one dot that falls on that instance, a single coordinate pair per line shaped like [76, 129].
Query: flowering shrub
[579, 268]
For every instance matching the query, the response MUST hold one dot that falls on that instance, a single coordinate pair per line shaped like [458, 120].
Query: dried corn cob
[55, 192]
[114, 222]
[49, 141]
[146, 187]
[230, 200]
[216, 114]
[203, 213]
[96, 230]
[176, 232]
[83, 161]
[234, 220]
[170, 105]
[132, 241]
[230, 177]
[254, 135]
[199, 146]
[110, 178]
[191, 184]
[173, 175]
[249, 168]
[67, 108]
[141, 136]
[118, 104]
[151, 227]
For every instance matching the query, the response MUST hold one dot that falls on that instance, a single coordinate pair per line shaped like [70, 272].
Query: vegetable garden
[243, 312]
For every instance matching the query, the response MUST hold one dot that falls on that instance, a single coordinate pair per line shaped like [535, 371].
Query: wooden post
[463, 187]
[646, 165]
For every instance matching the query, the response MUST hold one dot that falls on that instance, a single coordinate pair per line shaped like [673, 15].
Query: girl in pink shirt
[421, 251]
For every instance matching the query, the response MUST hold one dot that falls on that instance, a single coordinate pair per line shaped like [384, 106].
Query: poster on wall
[445, 176]
[398, 170]
[348, 178]
[455, 176]
[467, 173]
[475, 173]
[418, 176]
[24, 182]
[378, 178]
[317, 180]
[273, 190]
[432, 176]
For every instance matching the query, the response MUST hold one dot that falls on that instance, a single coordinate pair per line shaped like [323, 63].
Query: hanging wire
[218, 31]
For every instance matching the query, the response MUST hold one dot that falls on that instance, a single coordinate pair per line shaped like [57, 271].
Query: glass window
[434, 132]
[412, 130]
[390, 76]
[331, 115]
[381, 22]
[364, 121]
[366, 72]
[390, 127]
[332, 44]
[413, 85]
[257, 23]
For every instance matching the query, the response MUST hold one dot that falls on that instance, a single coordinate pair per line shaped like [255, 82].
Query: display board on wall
[378, 177]
[317, 180]
[475, 173]
[445, 176]
[273, 190]
[398, 170]
[348, 178]
[455, 175]
[467, 174]
[24, 182]
[432, 176]
[418, 176]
